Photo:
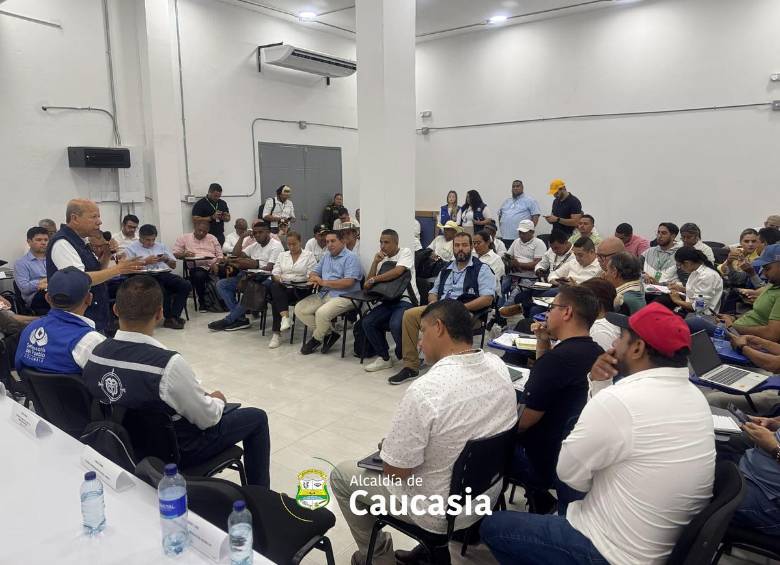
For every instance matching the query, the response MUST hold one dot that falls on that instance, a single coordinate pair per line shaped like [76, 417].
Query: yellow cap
[556, 185]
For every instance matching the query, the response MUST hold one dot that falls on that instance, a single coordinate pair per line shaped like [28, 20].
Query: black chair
[61, 400]
[698, 543]
[282, 531]
[480, 466]
[20, 306]
[545, 237]
[17, 389]
[153, 435]
[721, 254]
[480, 324]
[715, 244]
[751, 541]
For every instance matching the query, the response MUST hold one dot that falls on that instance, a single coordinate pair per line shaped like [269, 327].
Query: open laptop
[708, 367]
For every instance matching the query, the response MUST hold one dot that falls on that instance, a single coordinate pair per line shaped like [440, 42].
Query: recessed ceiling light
[497, 19]
[307, 16]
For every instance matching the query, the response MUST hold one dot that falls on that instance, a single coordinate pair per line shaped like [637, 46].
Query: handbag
[391, 291]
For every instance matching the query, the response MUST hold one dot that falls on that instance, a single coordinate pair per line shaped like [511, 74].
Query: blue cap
[90, 476]
[771, 254]
[68, 286]
[171, 469]
[239, 505]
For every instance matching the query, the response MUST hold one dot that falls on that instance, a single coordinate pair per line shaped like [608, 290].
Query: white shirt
[466, 219]
[63, 254]
[268, 253]
[338, 223]
[706, 249]
[496, 264]
[660, 263]
[417, 232]
[442, 248]
[499, 245]
[527, 252]
[356, 249]
[551, 261]
[707, 282]
[284, 209]
[294, 271]
[462, 397]
[644, 451]
[314, 248]
[232, 238]
[87, 343]
[577, 272]
[123, 242]
[604, 333]
[404, 258]
[180, 388]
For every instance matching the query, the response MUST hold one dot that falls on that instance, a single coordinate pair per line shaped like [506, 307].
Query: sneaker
[310, 346]
[511, 310]
[286, 324]
[275, 341]
[173, 324]
[329, 341]
[240, 324]
[379, 364]
[403, 375]
[218, 325]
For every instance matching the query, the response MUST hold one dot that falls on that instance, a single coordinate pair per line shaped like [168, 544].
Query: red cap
[659, 327]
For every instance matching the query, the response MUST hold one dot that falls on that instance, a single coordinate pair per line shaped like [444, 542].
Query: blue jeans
[226, 288]
[757, 512]
[247, 425]
[375, 322]
[518, 537]
[698, 323]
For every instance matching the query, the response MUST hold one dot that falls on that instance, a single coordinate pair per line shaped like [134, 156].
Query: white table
[40, 511]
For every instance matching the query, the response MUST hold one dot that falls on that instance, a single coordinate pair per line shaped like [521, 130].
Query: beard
[461, 257]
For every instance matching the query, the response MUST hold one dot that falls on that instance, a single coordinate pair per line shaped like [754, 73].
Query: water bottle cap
[171, 469]
[90, 476]
[239, 505]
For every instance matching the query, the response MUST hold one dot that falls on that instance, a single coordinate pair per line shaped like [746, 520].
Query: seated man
[344, 218]
[199, 243]
[127, 234]
[160, 261]
[442, 244]
[635, 244]
[556, 256]
[643, 451]
[526, 251]
[467, 394]
[30, 271]
[660, 266]
[467, 280]
[557, 389]
[388, 313]
[138, 372]
[607, 248]
[623, 272]
[351, 237]
[48, 225]
[262, 254]
[338, 273]
[498, 243]
[240, 229]
[316, 245]
[61, 341]
[772, 221]
[584, 267]
[586, 227]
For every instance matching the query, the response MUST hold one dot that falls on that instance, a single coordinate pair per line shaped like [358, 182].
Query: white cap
[525, 226]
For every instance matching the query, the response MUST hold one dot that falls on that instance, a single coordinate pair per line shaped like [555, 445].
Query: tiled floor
[322, 409]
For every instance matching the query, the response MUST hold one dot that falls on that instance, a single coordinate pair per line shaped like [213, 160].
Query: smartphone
[737, 413]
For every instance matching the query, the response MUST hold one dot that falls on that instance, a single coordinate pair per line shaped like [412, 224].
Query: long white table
[40, 510]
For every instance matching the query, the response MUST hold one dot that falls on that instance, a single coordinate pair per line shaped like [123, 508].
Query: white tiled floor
[322, 409]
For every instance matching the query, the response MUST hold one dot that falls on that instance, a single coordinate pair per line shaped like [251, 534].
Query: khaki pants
[410, 332]
[318, 312]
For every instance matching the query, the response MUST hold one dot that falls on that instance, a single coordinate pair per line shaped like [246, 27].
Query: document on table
[725, 424]
[517, 341]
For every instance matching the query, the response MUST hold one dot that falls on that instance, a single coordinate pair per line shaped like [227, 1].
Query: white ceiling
[433, 16]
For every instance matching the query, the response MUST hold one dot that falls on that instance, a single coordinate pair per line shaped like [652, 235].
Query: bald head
[607, 248]
[83, 216]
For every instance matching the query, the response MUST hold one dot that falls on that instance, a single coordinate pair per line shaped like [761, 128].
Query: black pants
[175, 293]
[281, 297]
[199, 279]
[39, 304]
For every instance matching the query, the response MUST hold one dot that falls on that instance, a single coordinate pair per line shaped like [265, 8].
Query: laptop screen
[703, 357]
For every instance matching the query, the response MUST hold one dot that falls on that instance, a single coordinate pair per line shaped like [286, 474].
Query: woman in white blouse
[703, 280]
[474, 213]
[603, 332]
[484, 250]
[289, 284]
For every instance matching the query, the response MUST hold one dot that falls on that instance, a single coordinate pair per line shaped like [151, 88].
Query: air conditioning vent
[99, 157]
[291, 57]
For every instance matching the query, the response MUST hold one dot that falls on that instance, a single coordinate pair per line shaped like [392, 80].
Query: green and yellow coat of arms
[312, 489]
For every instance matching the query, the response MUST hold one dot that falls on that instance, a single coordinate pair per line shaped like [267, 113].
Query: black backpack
[362, 346]
[110, 438]
[211, 300]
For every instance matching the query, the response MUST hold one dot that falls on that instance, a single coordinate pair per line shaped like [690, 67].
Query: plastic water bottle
[720, 331]
[240, 532]
[172, 493]
[699, 305]
[93, 510]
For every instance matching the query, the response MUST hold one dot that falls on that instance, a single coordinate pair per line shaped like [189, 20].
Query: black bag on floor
[211, 300]
[361, 343]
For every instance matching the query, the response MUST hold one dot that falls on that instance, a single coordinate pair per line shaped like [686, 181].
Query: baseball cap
[320, 228]
[68, 287]
[450, 225]
[526, 226]
[349, 226]
[286, 190]
[556, 185]
[658, 326]
[774, 220]
[771, 254]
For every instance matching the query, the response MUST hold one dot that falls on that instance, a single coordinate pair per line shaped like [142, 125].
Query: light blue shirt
[135, 249]
[513, 211]
[453, 286]
[345, 265]
[28, 271]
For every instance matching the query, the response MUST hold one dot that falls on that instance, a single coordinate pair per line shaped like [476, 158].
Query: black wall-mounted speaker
[99, 157]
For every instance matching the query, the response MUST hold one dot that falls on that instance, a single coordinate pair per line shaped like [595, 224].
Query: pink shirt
[206, 247]
[637, 245]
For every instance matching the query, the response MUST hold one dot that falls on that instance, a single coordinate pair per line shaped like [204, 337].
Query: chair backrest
[152, 435]
[545, 237]
[721, 254]
[62, 400]
[700, 539]
[714, 244]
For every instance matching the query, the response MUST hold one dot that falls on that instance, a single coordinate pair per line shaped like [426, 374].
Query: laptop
[707, 365]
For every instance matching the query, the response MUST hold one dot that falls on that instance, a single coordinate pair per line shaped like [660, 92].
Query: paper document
[725, 424]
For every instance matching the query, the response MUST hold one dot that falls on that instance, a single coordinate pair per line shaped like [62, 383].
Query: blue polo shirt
[453, 286]
[513, 211]
[345, 265]
[135, 249]
[28, 271]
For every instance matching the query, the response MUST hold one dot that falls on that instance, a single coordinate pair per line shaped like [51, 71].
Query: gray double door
[313, 172]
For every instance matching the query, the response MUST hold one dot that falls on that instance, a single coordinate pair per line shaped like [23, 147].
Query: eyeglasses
[554, 305]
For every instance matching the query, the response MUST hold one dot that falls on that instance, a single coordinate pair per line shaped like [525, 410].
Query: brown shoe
[173, 324]
[511, 310]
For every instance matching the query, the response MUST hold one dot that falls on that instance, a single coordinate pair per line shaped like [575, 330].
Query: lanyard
[456, 277]
[565, 258]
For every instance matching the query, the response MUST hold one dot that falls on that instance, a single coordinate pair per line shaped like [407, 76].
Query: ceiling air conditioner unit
[291, 57]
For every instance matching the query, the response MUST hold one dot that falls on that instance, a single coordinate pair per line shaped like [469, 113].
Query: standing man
[30, 271]
[660, 266]
[516, 209]
[566, 208]
[128, 233]
[279, 211]
[212, 208]
[333, 210]
[67, 248]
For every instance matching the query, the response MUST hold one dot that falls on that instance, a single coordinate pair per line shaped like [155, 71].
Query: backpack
[111, 440]
[211, 299]
[260, 210]
[362, 345]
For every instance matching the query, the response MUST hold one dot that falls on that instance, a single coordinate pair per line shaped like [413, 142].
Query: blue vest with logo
[470, 283]
[98, 310]
[47, 343]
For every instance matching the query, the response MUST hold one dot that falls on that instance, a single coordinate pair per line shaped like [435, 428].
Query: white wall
[644, 56]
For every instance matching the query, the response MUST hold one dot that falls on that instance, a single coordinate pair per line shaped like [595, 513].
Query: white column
[386, 120]
[162, 125]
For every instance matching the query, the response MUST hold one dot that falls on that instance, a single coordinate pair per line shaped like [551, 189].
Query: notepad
[725, 424]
